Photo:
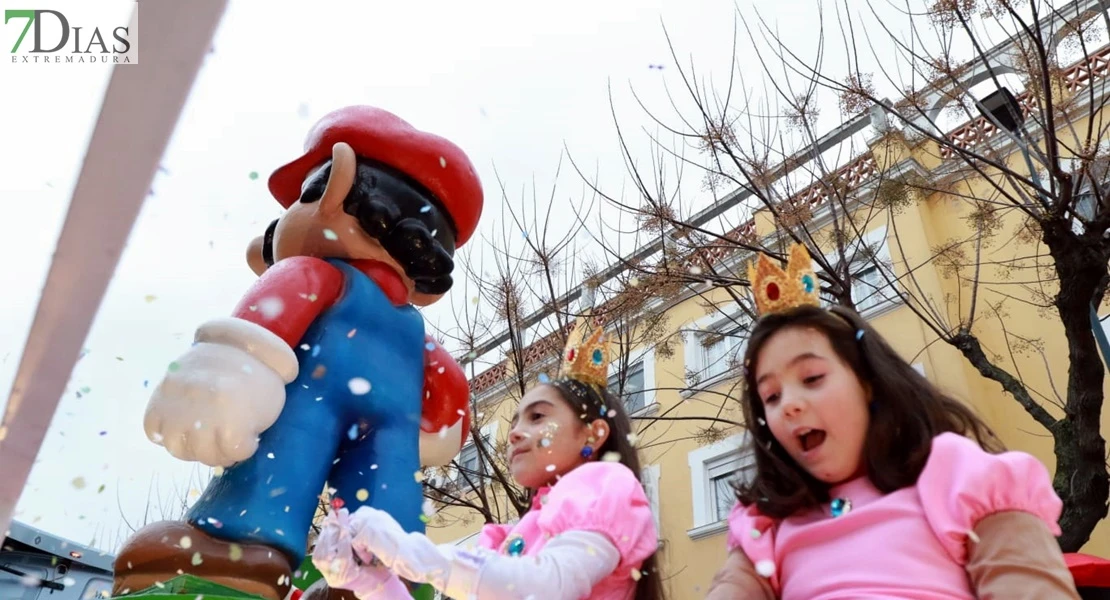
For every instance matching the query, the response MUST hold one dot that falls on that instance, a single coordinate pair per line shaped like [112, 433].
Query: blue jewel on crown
[807, 282]
[597, 356]
[840, 507]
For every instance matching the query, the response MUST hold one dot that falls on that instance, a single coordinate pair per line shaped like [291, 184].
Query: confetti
[545, 442]
[150, 298]
[319, 371]
[362, 494]
[217, 471]
[611, 457]
[418, 476]
[443, 162]
[196, 559]
[235, 552]
[271, 308]
[351, 333]
[429, 508]
[430, 346]
[765, 568]
[78, 483]
[633, 438]
[253, 175]
[636, 575]
[443, 432]
[186, 542]
[100, 490]
[331, 235]
[359, 386]
[174, 367]
[695, 270]
[544, 378]
[550, 468]
[270, 455]
[274, 493]
[352, 433]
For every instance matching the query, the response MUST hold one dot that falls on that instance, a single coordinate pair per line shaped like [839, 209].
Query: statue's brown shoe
[161, 551]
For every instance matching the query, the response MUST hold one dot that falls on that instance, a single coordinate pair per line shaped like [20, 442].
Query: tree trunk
[1081, 480]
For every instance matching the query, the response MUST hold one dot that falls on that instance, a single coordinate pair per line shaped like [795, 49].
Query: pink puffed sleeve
[754, 533]
[493, 535]
[606, 498]
[962, 483]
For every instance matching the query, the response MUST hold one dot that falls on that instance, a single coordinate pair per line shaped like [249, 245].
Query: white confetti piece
[271, 308]
[186, 542]
[550, 468]
[765, 568]
[331, 235]
[443, 162]
[362, 495]
[359, 386]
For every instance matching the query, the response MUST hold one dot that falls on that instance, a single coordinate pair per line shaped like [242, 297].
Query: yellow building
[687, 470]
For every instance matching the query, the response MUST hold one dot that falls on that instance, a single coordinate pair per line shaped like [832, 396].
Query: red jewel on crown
[570, 354]
[773, 291]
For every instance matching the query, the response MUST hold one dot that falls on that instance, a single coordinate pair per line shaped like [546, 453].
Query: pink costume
[600, 497]
[911, 543]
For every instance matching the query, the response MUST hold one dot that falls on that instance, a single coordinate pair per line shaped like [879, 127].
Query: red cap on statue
[432, 161]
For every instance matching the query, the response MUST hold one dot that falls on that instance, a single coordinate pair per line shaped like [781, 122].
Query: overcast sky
[514, 85]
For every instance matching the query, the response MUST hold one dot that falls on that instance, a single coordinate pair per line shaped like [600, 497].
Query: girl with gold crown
[589, 534]
[870, 482]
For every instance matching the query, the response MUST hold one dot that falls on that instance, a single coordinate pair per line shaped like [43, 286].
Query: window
[715, 344]
[870, 288]
[470, 460]
[633, 392]
[638, 389]
[713, 470]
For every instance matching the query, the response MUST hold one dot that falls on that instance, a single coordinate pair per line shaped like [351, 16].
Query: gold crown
[776, 290]
[586, 361]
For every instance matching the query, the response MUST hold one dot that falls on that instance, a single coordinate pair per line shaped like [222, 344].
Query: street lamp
[1003, 109]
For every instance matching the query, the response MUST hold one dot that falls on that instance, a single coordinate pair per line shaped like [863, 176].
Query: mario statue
[324, 375]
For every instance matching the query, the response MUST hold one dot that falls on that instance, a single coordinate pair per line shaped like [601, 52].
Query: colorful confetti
[253, 175]
[78, 483]
[235, 552]
[330, 235]
[362, 495]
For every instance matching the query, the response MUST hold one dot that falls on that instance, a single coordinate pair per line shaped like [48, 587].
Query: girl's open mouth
[811, 439]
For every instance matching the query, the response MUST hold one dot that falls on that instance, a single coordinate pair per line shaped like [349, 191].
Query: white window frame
[647, 357]
[871, 300]
[488, 432]
[695, 351]
[649, 476]
[706, 462]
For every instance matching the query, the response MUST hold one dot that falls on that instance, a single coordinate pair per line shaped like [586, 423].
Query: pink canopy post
[140, 111]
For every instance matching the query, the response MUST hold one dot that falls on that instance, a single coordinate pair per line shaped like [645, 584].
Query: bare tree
[538, 282]
[1028, 167]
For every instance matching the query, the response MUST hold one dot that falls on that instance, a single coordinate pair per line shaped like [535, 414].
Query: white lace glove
[221, 394]
[345, 568]
[568, 567]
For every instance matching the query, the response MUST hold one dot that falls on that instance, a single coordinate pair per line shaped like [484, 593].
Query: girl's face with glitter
[547, 438]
